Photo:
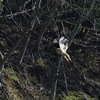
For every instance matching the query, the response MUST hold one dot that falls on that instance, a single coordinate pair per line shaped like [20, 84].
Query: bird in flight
[63, 44]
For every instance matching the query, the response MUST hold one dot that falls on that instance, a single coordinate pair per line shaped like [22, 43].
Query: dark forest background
[29, 62]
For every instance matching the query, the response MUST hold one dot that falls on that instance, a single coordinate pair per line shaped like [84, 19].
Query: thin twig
[24, 49]
[54, 87]
[46, 23]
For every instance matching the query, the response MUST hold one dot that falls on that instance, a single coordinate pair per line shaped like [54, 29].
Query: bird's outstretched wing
[65, 55]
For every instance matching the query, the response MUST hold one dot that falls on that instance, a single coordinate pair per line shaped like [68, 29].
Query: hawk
[63, 44]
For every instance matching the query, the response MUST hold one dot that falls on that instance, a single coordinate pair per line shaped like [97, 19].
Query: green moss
[77, 96]
[9, 80]
[34, 94]
[39, 95]
[41, 62]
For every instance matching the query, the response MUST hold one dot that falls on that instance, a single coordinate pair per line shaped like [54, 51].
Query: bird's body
[65, 55]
